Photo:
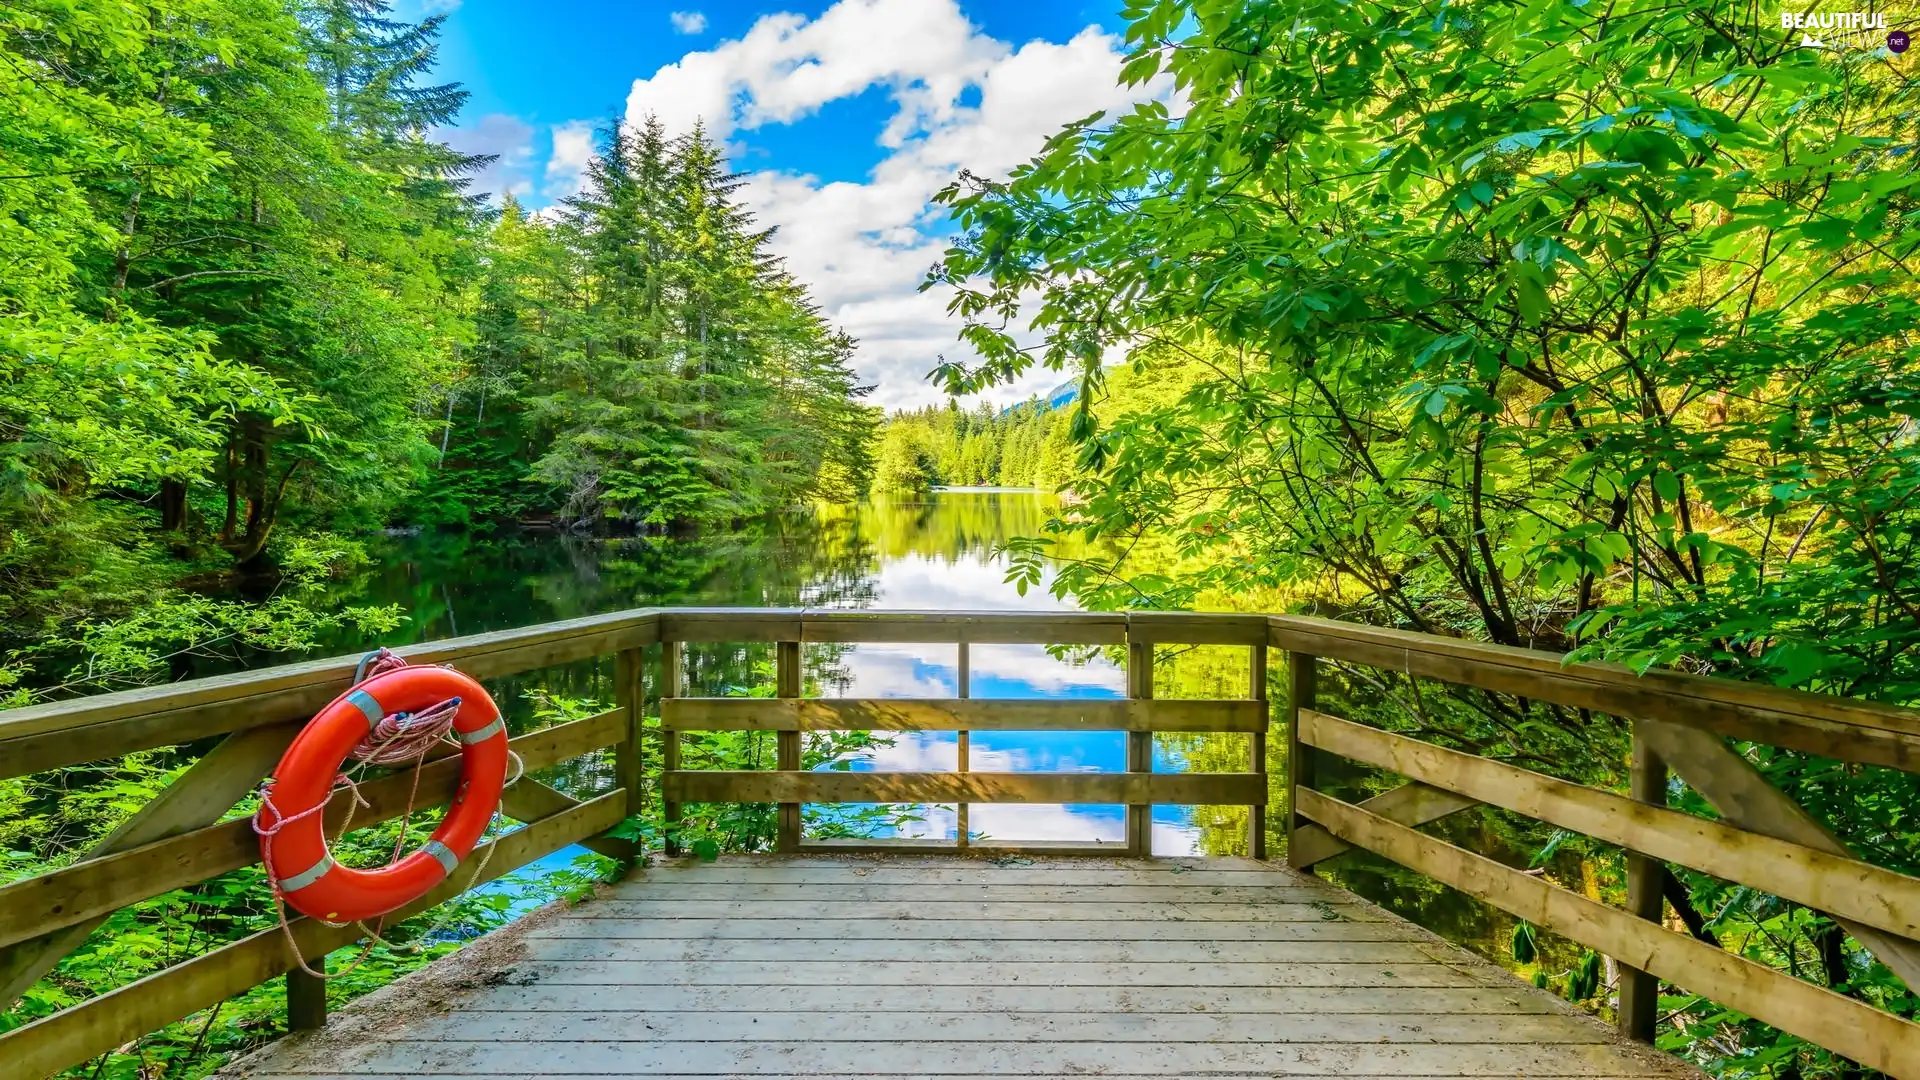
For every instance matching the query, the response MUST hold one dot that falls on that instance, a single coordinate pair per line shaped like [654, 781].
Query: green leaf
[1524, 946]
[1532, 298]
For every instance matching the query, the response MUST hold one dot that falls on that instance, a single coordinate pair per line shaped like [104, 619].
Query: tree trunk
[173, 505]
[123, 257]
[1832, 942]
[446, 432]
[1676, 893]
[255, 488]
[233, 494]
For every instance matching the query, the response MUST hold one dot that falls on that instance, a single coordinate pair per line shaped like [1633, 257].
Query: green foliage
[1511, 352]
[175, 625]
[1561, 325]
[193, 337]
[905, 464]
[1026, 446]
[644, 360]
[1584, 980]
[248, 302]
[1524, 947]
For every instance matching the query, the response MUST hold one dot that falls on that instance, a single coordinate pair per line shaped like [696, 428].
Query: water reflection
[928, 553]
[958, 570]
[997, 671]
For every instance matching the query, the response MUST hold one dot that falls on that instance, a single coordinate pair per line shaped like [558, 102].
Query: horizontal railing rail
[187, 835]
[71, 732]
[950, 714]
[1763, 839]
[790, 715]
[184, 835]
[1865, 732]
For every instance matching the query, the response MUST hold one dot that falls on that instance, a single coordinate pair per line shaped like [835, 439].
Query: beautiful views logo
[1843, 29]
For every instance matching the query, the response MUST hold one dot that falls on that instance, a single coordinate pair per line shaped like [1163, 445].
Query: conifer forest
[251, 309]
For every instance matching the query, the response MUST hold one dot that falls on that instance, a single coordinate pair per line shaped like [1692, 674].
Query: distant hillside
[1059, 396]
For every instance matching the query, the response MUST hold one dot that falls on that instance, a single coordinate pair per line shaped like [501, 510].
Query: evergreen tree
[248, 298]
[693, 381]
[1029, 445]
[190, 312]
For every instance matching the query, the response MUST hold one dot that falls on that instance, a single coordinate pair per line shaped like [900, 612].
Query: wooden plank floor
[941, 966]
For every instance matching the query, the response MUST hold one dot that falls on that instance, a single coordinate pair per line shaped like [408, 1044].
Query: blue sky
[846, 117]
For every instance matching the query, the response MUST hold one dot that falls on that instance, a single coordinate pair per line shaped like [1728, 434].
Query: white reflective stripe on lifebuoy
[471, 737]
[442, 854]
[308, 876]
[363, 701]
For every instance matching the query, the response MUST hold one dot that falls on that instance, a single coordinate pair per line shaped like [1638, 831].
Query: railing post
[1303, 687]
[1257, 814]
[629, 768]
[787, 743]
[307, 998]
[964, 748]
[670, 739]
[1639, 1010]
[1140, 746]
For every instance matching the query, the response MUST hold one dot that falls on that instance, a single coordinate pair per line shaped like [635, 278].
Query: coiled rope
[398, 739]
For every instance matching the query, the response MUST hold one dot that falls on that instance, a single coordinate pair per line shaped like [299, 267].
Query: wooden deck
[945, 966]
[829, 965]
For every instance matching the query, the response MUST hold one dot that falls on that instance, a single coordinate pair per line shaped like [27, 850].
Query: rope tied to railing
[400, 738]
[397, 739]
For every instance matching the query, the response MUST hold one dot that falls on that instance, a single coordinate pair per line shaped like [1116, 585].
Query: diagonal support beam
[1411, 804]
[1745, 798]
[530, 800]
[200, 797]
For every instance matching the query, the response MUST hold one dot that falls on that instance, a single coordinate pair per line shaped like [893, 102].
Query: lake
[931, 552]
[937, 551]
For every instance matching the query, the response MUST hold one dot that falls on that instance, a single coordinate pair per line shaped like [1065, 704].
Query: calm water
[934, 552]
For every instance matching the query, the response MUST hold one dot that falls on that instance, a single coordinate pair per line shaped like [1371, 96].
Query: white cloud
[786, 66]
[896, 671]
[961, 99]
[567, 165]
[509, 139]
[928, 671]
[688, 22]
[966, 584]
[1038, 673]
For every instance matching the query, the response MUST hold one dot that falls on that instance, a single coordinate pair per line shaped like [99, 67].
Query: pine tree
[700, 384]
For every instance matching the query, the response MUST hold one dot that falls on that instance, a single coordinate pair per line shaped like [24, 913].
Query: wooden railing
[188, 834]
[1680, 723]
[789, 715]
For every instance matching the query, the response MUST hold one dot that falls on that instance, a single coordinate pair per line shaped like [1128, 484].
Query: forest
[1550, 325]
[1553, 325]
[251, 310]
[1026, 446]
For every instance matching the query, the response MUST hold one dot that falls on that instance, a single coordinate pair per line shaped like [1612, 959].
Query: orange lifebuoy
[293, 842]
